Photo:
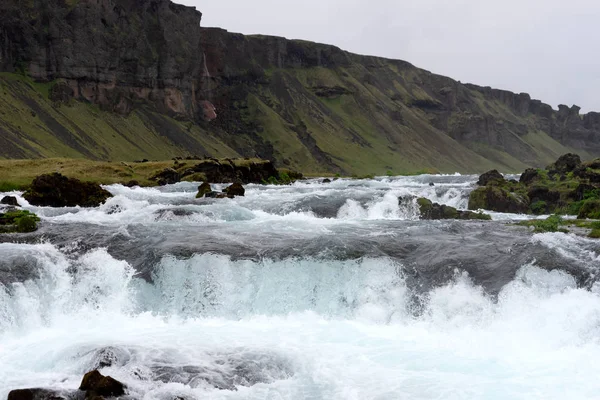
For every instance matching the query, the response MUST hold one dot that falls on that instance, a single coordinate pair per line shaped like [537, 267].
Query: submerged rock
[203, 190]
[56, 190]
[326, 180]
[10, 201]
[433, 211]
[96, 384]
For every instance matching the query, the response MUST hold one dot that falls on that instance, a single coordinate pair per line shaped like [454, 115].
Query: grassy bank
[18, 174]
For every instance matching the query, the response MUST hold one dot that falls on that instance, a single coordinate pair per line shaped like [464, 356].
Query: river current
[307, 291]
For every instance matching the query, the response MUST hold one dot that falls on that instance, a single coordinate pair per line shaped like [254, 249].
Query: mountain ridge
[159, 85]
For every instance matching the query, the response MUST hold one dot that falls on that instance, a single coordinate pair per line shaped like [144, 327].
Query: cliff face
[114, 53]
[156, 74]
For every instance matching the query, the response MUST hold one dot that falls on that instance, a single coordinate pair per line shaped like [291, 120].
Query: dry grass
[17, 174]
[20, 173]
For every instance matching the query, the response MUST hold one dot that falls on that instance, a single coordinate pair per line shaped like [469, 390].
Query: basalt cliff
[133, 79]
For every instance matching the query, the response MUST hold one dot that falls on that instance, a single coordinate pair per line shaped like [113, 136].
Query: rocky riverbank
[567, 187]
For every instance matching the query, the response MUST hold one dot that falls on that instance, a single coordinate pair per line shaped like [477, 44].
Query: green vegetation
[594, 234]
[550, 224]
[19, 221]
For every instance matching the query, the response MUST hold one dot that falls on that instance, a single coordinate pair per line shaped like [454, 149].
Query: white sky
[547, 48]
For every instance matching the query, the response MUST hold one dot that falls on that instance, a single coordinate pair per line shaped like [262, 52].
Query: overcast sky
[547, 48]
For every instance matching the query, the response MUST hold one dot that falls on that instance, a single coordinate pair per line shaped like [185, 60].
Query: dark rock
[498, 199]
[235, 190]
[56, 190]
[530, 175]
[492, 176]
[132, 183]
[326, 180]
[167, 176]
[215, 195]
[61, 93]
[36, 394]
[230, 171]
[96, 384]
[565, 164]
[10, 201]
[435, 211]
[431, 184]
[542, 199]
[203, 190]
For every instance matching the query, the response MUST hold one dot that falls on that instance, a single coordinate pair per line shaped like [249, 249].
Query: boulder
[435, 211]
[498, 199]
[564, 164]
[203, 190]
[96, 384]
[56, 190]
[36, 394]
[326, 180]
[10, 201]
[235, 190]
[167, 176]
[492, 176]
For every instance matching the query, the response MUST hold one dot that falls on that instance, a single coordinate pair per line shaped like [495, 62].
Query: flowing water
[308, 291]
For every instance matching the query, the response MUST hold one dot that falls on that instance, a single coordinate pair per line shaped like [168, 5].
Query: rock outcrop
[56, 190]
[114, 53]
[567, 186]
[435, 211]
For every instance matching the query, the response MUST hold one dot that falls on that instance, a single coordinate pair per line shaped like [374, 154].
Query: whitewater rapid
[308, 291]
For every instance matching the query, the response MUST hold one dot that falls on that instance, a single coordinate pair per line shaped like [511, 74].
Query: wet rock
[431, 184]
[326, 180]
[109, 357]
[96, 384]
[203, 190]
[235, 190]
[435, 211]
[10, 201]
[37, 394]
[492, 176]
[56, 190]
[132, 183]
[215, 195]
[167, 176]
[498, 199]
